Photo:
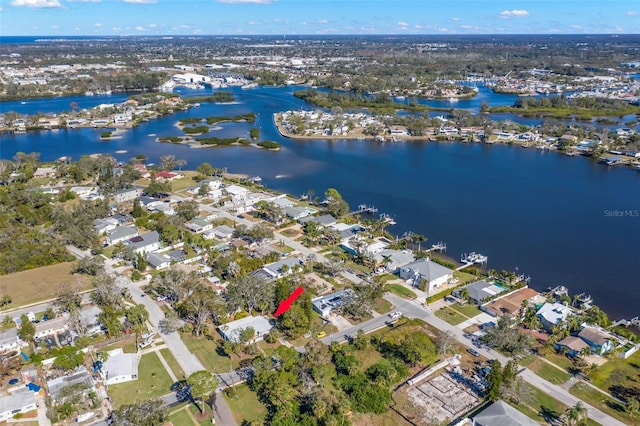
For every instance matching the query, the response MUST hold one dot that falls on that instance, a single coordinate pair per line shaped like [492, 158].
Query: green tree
[141, 413]
[27, 329]
[576, 414]
[494, 381]
[187, 210]
[68, 358]
[203, 383]
[205, 170]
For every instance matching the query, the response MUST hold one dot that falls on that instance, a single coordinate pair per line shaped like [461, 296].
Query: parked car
[473, 352]
[395, 315]
[320, 335]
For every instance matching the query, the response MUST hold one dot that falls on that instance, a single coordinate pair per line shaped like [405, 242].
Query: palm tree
[576, 414]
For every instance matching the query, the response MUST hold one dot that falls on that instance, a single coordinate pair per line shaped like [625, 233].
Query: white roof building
[120, 367]
[21, 401]
[552, 314]
[231, 331]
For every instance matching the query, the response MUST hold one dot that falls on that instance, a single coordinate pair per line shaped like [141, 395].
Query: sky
[280, 17]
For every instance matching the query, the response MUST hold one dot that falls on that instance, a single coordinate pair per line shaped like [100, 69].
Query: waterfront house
[425, 269]
[121, 233]
[142, 169]
[120, 367]
[391, 260]
[552, 314]
[237, 193]
[19, 402]
[511, 304]
[165, 176]
[145, 243]
[125, 195]
[325, 305]
[480, 291]
[323, 221]
[282, 202]
[261, 326]
[600, 341]
[45, 172]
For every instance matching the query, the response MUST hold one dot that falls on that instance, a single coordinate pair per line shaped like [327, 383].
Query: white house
[158, 261]
[198, 225]
[21, 401]
[280, 268]
[145, 243]
[9, 340]
[424, 269]
[165, 208]
[325, 305]
[222, 232]
[260, 324]
[237, 193]
[127, 195]
[120, 234]
[391, 259]
[51, 327]
[296, 213]
[552, 314]
[107, 224]
[120, 367]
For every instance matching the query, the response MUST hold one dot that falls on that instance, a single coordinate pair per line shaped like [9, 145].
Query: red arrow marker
[286, 304]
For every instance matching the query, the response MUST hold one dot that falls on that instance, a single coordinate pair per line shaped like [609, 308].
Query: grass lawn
[402, 291]
[600, 401]
[153, 381]
[38, 284]
[357, 268]
[245, 405]
[620, 372]
[465, 277]
[173, 364]
[128, 345]
[547, 371]
[205, 349]
[289, 232]
[466, 310]
[559, 360]
[202, 418]
[367, 357]
[382, 306]
[450, 316]
[181, 418]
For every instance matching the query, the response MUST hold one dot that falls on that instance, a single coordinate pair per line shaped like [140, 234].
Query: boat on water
[473, 257]
[452, 100]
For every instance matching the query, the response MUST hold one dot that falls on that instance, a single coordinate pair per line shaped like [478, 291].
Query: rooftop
[502, 414]
[231, 330]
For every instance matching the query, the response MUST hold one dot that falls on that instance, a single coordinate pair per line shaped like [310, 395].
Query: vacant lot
[546, 370]
[36, 285]
[245, 405]
[401, 291]
[450, 316]
[601, 402]
[466, 310]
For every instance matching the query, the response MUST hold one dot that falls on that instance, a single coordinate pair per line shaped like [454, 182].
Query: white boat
[452, 100]
[84, 417]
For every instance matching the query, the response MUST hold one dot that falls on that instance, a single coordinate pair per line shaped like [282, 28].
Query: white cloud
[322, 21]
[514, 12]
[141, 1]
[152, 25]
[402, 24]
[83, 1]
[97, 24]
[55, 27]
[36, 4]
[140, 28]
[116, 28]
[632, 13]
[247, 1]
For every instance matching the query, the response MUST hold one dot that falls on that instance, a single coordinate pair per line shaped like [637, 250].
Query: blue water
[551, 216]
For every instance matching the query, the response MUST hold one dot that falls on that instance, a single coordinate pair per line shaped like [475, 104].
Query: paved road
[413, 309]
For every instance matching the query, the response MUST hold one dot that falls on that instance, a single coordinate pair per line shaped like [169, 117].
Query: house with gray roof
[120, 367]
[296, 213]
[145, 243]
[281, 268]
[89, 319]
[79, 377]
[600, 341]
[107, 224]
[10, 341]
[222, 232]
[480, 291]
[552, 314]
[325, 305]
[324, 220]
[434, 274]
[198, 225]
[260, 324]
[158, 261]
[128, 194]
[282, 202]
[502, 414]
[21, 401]
[392, 260]
[120, 234]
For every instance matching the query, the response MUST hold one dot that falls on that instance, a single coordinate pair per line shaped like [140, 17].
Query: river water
[561, 220]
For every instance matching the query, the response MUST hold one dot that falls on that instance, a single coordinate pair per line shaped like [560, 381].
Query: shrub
[269, 144]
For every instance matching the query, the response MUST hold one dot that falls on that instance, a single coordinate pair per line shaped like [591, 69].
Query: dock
[363, 208]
